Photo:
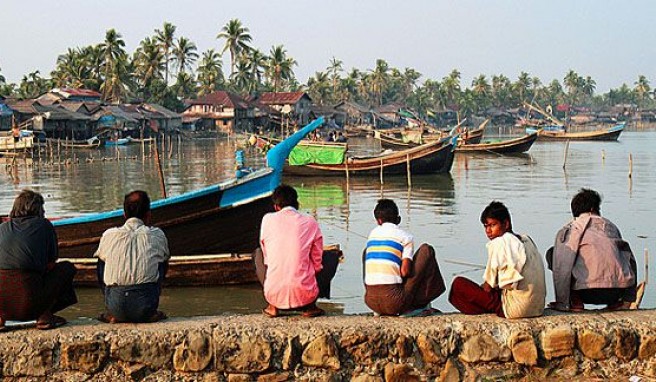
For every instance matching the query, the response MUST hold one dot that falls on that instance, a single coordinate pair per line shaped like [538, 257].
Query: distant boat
[223, 218]
[91, 143]
[141, 140]
[117, 142]
[606, 134]
[431, 158]
[508, 146]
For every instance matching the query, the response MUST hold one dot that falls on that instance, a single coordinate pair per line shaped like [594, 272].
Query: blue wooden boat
[223, 218]
[117, 142]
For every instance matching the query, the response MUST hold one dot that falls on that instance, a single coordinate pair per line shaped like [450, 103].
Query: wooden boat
[607, 134]
[222, 218]
[117, 142]
[509, 146]
[91, 143]
[141, 140]
[431, 158]
[473, 136]
[389, 141]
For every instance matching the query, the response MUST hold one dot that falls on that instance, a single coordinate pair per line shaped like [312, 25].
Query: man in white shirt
[132, 263]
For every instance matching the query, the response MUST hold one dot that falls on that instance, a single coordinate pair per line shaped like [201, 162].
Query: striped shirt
[387, 246]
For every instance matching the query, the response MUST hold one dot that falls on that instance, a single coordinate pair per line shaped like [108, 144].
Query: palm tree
[184, 54]
[33, 85]
[318, 87]
[481, 90]
[185, 85]
[588, 86]
[115, 64]
[451, 86]
[642, 89]
[2, 78]
[257, 63]
[379, 76]
[335, 67]
[573, 82]
[166, 38]
[242, 79]
[210, 72]
[148, 65]
[236, 38]
[280, 67]
[522, 85]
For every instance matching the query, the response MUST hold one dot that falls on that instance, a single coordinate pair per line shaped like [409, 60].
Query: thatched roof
[220, 98]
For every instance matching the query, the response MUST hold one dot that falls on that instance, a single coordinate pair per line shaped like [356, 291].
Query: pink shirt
[292, 245]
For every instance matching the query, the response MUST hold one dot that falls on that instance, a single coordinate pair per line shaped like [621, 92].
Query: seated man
[398, 280]
[513, 283]
[290, 258]
[590, 262]
[32, 284]
[132, 262]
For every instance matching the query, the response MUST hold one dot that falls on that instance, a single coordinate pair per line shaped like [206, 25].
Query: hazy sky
[612, 41]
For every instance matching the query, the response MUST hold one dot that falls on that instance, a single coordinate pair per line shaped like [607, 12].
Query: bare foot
[270, 311]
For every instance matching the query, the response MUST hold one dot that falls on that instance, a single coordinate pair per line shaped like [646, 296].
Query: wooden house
[221, 111]
[296, 104]
[353, 114]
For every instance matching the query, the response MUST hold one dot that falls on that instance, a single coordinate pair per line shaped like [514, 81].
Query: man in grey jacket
[590, 262]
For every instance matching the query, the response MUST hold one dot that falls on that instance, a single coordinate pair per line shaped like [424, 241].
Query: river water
[442, 210]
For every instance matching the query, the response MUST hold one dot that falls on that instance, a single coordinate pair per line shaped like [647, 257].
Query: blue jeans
[132, 303]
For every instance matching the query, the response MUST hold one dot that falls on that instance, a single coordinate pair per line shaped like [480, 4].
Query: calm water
[440, 210]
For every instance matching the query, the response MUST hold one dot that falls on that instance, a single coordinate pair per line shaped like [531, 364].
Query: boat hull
[511, 146]
[433, 158]
[611, 134]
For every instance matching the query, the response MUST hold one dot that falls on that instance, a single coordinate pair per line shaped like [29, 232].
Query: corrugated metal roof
[281, 98]
[220, 97]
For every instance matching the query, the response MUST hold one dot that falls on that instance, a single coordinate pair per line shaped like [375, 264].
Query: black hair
[496, 210]
[386, 211]
[136, 204]
[586, 200]
[285, 196]
[27, 203]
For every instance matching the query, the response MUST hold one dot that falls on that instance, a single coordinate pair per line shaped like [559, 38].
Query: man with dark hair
[590, 262]
[33, 285]
[132, 262]
[398, 280]
[290, 257]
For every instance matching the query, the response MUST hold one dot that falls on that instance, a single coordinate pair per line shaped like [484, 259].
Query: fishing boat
[91, 143]
[390, 141]
[117, 142]
[223, 218]
[508, 146]
[146, 141]
[430, 158]
[606, 134]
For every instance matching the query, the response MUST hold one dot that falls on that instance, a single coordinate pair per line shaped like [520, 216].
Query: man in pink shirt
[292, 249]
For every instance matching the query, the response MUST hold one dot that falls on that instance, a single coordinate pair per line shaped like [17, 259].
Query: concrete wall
[341, 348]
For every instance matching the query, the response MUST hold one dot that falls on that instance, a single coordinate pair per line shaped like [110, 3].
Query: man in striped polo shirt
[398, 280]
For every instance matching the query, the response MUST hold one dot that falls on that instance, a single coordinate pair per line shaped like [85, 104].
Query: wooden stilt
[630, 165]
[381, 171]
[565, 154]
[407, 166]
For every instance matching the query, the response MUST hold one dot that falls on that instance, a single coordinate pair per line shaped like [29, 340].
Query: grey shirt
[28, 244]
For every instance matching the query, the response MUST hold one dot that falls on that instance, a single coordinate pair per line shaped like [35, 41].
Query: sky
[612, 41]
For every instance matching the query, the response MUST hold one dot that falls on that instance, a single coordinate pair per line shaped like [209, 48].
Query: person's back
[291, 256]
[397, 279]
[132, 264]
[288, 240]
[590, 261]
[33, 285]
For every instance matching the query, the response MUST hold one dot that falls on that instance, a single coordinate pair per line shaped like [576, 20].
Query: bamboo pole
[565, 154]
[407, 166]
[160, 172]
[630, 165]
[381, 171]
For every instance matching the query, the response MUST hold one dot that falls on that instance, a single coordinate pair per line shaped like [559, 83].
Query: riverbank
[448, 347]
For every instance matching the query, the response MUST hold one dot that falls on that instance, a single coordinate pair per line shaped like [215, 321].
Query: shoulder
[156, 232]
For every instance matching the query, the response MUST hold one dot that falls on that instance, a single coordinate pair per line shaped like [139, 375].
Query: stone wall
[449, 347]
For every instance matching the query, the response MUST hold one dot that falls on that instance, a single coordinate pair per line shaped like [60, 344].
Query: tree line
[166, 68]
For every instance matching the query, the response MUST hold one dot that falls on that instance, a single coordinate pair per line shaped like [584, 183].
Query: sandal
[107, 318]
[313, 312]
[158, 316]
[52, 323]
[270, 314]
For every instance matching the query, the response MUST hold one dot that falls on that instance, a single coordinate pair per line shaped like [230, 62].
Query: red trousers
[469, 298]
